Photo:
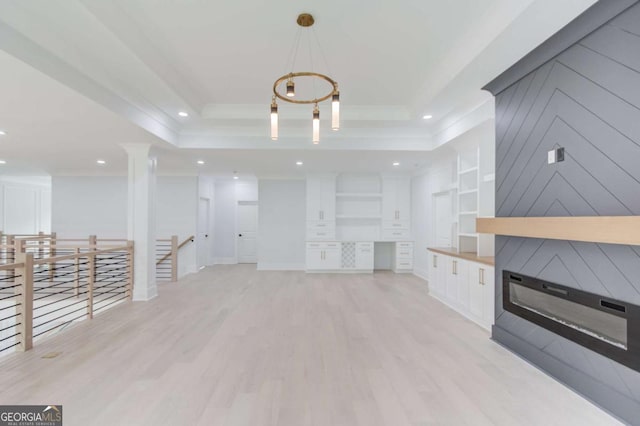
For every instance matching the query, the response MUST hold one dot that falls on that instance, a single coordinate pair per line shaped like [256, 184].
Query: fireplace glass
[599, 324]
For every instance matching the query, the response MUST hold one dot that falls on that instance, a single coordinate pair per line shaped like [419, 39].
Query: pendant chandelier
[305, 21]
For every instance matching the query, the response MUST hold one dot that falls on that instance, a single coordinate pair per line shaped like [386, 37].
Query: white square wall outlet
[551, 156]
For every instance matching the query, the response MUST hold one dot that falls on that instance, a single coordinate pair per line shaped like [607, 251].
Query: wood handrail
[182, 244]
[10, 266]
[78, 255]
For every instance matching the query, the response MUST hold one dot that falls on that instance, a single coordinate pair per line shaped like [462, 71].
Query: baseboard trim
[225, 261]
[613, 402]
[267, 266]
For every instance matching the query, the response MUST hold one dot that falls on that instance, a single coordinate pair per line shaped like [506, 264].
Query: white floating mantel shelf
[594, 229]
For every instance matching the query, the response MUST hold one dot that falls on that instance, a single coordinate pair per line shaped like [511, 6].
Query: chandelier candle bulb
[335, 111]
[274, 120]
[316, 125]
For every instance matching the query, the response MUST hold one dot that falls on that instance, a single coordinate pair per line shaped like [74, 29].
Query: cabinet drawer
[320, 224]
[395, 224]
[368, 245]
[321, 234]
[404, 263]
[406, 244]
[395, 234]
[404, 253]
[323, 246]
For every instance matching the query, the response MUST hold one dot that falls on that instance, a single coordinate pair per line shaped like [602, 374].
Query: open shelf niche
[358, 207]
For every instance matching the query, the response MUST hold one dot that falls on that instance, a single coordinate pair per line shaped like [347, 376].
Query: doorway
[202, 242]
[247, 220]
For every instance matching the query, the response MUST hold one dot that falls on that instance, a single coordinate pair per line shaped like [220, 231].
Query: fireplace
[604, 325]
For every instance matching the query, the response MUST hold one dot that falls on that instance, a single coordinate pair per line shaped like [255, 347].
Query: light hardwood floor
[232, 346]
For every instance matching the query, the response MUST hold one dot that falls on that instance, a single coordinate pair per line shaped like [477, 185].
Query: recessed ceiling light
[396, 163]
[236, 177]
[200, 162]
[3, 162]
[427, 117]
[183, 114]
[299, 163]
[101, 162]
[2, 133]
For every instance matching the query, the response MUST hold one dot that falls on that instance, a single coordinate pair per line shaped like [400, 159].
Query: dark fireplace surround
[607, 326]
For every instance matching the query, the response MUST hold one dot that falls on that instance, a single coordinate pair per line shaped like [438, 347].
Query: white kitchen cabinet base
[464, 285]
[355, 257]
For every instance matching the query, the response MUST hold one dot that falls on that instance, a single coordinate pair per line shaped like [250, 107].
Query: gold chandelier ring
[304, 74]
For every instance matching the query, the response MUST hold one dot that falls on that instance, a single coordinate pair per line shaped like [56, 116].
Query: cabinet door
[364, 256]
[328, 199]
[403, 199]
[441, 275]
[476, 292]
[489, 288]
[462, 276]
[451, 280]
[389, 211]
[332, 259]
[314, 198]
[434, 285]
[314, 259]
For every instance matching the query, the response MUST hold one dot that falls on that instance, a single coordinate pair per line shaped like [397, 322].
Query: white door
[248, 232]
[202, 242]
[443, 219]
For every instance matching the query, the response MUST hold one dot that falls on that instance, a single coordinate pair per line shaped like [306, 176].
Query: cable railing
[10, 306]
[54, 284]
[167, 250]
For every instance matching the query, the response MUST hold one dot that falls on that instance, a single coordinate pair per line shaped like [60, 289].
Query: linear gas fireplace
[607, 326]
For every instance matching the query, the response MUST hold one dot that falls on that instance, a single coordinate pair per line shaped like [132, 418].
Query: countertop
[448, 251]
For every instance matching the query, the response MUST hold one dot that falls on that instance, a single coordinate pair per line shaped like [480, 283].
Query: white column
[141, 219]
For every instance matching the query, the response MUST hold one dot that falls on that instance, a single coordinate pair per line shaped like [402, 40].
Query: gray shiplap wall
[587, 100]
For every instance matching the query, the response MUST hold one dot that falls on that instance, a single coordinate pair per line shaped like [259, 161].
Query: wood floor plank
[234, 346]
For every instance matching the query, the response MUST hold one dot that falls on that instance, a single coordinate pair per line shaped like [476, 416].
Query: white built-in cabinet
[403, 257]
[324, 256]
[465, 285]
[396, 208]
[321, 208]
[355, 211]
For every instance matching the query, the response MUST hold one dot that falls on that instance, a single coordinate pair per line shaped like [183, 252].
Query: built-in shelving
[469, 170]
[358, 195]
[468, 186]
[357, 216]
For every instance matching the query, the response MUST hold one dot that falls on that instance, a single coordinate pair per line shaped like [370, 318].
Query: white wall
[89, 205]
[25, 205]
[177, 215]
[97, 205]
[281, 225]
